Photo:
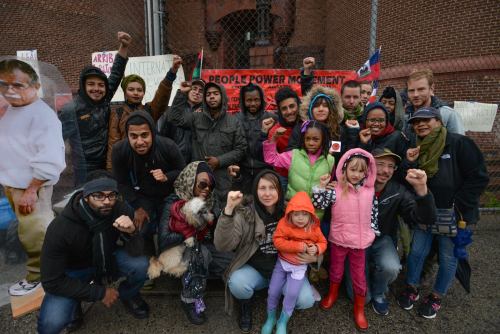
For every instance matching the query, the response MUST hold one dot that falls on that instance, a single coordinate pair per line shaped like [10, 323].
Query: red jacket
[178, 223]
[289, 239]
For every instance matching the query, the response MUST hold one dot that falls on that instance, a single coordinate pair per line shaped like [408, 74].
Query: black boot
[77, 321]
[245, 322]
[193, 317]
[137, 307]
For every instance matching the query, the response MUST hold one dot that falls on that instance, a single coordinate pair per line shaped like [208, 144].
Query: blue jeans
[58, 311]
[382, 268]
[244, 281]
[420, 247]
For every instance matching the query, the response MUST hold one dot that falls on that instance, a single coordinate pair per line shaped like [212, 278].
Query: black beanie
[388, 93]
[99, 185]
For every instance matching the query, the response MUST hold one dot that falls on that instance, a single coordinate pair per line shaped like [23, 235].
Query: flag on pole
[371, 68]
[199, 65]
[373, 97]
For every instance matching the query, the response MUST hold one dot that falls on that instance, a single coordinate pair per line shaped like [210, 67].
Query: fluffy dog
[194, 222]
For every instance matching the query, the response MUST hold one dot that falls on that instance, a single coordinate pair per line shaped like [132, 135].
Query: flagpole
[201, 66]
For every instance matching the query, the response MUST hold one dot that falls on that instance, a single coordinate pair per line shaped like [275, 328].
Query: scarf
[103, 242]
[387, 131]
[354, 114]
[431, 148]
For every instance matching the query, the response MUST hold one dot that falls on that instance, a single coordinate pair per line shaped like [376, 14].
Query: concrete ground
[477, 312]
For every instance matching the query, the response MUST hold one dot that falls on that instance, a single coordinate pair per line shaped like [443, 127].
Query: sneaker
[429, 307]
[381, 307]
[23, 287]
[408, 297]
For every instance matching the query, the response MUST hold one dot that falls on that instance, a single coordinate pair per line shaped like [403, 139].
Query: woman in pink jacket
[353, 226]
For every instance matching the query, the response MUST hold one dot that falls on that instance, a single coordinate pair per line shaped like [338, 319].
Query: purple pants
[278, 280]
[356, 266]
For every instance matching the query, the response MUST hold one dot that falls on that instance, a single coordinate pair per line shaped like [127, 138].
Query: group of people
[325, 171]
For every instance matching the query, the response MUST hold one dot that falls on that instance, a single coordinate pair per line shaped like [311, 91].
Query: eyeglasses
[203, 185]
[17, 86]
[101, 196]
[375, 120]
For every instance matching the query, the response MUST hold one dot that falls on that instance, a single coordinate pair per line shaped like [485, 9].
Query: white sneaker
[23, 287]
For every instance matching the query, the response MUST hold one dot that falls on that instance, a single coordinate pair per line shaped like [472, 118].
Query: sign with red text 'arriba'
[270, 80]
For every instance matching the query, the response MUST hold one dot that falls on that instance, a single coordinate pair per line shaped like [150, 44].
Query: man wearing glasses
[32, 151]
[82, 262]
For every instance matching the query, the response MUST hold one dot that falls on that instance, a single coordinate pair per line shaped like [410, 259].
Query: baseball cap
[426, 112]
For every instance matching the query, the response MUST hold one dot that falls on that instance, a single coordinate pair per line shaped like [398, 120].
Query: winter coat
[132, 171]
[181, 135]
[451, 120]
[396, 200]
[291, 240]
[461, 178]
[85, 123]
[68, 246]
[120, 113]
[222, 138]
[351, 213]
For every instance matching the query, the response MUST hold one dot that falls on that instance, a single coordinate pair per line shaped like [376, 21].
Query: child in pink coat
[353, 225]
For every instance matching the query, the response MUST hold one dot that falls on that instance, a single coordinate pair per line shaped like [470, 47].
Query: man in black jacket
[145, 166]
[393, 200]
[85, 120]
[80, 257]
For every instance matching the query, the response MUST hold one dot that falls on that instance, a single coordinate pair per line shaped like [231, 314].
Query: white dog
[170, 261]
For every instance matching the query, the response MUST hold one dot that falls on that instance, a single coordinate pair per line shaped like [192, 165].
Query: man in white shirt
[32, 159]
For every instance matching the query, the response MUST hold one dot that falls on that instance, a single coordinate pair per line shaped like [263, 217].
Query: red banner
[271, 80]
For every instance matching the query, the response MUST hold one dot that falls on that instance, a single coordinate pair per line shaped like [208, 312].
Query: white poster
[477, 117]
[152, 69]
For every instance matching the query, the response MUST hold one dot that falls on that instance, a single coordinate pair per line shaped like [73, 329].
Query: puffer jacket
[85, 122]
[222, 138]
[291, 240]
[351, 213]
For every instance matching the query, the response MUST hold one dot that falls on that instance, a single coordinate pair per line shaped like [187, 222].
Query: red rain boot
[330, 299]
[359, 313]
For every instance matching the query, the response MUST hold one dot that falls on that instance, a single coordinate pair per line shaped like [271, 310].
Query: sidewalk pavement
[477, 312]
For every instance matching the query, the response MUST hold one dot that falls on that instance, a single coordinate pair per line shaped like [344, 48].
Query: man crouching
[80, 257]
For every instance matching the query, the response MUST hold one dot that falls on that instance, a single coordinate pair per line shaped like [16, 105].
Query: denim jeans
[382, 268]
[420, 247]
[244, 281]
[58, 311]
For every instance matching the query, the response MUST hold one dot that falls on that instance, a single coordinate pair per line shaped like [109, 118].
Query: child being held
[353, 224]
[297, 232]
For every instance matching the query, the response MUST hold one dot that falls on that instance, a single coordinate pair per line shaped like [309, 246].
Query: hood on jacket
[301, 202]
[371, 173]
[144, 115]
[372, 106]
[280, 206]
[223, 95]
[242, 98]
[186, 181]
[399, 110]
[305, 111]
[92, 71]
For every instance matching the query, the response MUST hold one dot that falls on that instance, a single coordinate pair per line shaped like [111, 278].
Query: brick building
[459, 40]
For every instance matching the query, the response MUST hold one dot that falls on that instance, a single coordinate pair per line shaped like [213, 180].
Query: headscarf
[186, 181]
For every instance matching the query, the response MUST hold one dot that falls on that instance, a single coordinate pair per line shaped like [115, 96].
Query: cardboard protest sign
[271, 80]
[152, 69]
[477, 116]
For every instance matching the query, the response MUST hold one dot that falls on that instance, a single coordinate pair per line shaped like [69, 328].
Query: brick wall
[65, 33]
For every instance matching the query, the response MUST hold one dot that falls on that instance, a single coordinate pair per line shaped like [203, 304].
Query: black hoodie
[85, 122]
[68, 246]
[133, 171]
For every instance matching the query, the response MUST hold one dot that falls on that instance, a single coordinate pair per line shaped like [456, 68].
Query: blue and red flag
[371, 68]
[373, 96]
[198, 67]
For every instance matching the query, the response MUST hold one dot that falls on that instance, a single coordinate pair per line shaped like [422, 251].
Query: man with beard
[420, 85]
[217, 136]
[81, 259]
[32, 151]
[188, 99]
[350, 94]
[145, 166]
